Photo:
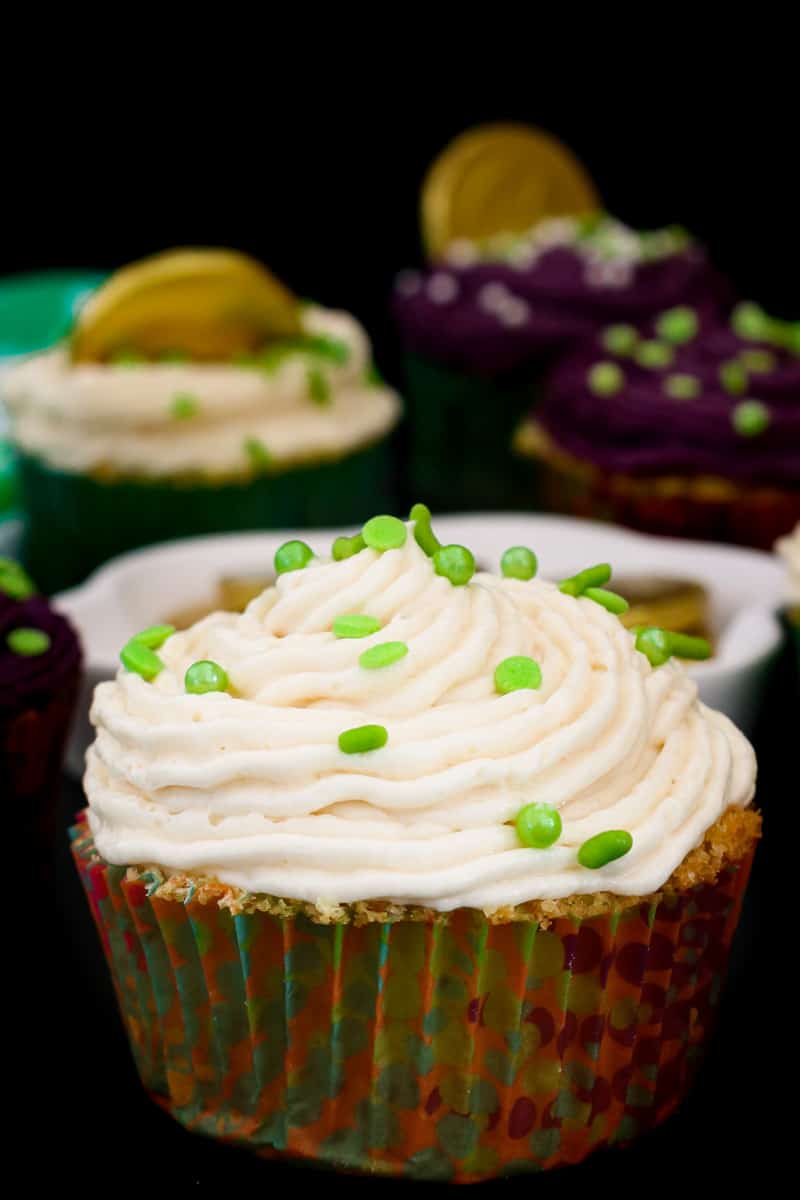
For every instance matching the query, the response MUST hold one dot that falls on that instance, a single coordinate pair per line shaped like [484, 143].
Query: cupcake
[195, 395]
[414, 871]
[686, 425]
[40, 666]
[789, 548]
[503, 294]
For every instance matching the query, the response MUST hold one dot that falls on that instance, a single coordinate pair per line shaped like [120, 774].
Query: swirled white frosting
[789, 548]
[252, 788]
[94, 416]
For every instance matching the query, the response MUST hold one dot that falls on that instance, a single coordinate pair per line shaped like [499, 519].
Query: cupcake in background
[789, 549]
[686, 425]
[194, 395]
[522, 265]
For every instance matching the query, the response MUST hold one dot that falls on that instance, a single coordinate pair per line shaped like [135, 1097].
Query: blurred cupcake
[414, 871]
[40, 664]
[196, 395]
[521, 268]
[789, 549]
[685, 425]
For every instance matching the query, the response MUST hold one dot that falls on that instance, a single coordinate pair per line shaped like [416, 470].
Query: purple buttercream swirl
[34, 679]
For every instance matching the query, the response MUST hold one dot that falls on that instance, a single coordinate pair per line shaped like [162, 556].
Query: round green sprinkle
[654, 354]
[140, 659]
[516, 673]
[14, 581]
[733, 377]
[154, 636]
[363, 738]
[183, 406]
[28, 642]
[593, 577]
[605, 379]
[750, 321]
[424, 536]
[292, 556]
[455, 563]
[257, 452]
[758, 361]
[355, 625]
[750, 418]
[318, 387]
[205, 676]
[385, 533]
[518, 562]
[604, 847]
[383, 655]
[682, 387]
[538, 826]
[684, 646]
[620, 339]
[609, 600]
[678, 325]
[654, 644]
[346, 547]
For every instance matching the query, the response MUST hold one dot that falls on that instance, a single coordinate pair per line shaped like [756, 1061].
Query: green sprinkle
[126, 358]
[609, 600]
[385, 533]
[538, 826]
[620, 339]
[14, 581]
[792, 338]
[332, 348]
[455, 563]
[592, 577]
[654, 644]
[604, 848]
[363, 738]
[517, 673]
[518, 562]
[733, 377]
[678, 325]
[382, 655]
[684, 646]
[292, 556]
[372, 376]
[28, 642]
[758, 361]
[654, 354]
[346, 547]
[605, 379]
[205, 676]
[154, 636]
[424, 536]
[751, 322]
[184, 405]
[257, 452]
[174, 358]
[682, 387]
[140, 659]
[750, 418]
[318, 387]
[355, 625]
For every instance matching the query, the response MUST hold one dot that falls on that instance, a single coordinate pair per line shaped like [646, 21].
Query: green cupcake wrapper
[74, 522]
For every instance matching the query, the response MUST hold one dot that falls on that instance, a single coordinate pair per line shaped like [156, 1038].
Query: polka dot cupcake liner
[453, 1051]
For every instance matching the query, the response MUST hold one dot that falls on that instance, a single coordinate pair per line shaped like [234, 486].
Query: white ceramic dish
[745, 589]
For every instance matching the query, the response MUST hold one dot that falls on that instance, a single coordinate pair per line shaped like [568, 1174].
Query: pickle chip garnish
[205, 303]
[498, 179]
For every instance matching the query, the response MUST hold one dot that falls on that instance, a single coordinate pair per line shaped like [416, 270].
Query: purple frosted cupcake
[479, 328]
[686, 424]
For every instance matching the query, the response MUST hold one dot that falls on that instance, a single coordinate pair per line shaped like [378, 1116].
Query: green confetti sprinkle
[758, 361]
[382, 655]
[682, 386]
[517, 673]
[654, 354]
[14, 581]
[750, 418]
[385, 533]
[604, 848]
[27, 642]
[355, 625]
[257, 452]
[318, 387]
[424, 536]
[538, 826]
[678, 325]
[609, 600]
[733, 377]
[751, 322]
[140, 660]
[184, 405]
[346, 547]
[605, 379]
[620, 339]
[595, 576]
[518, 562]
[154, 636]
[363, 738]
[205, 676]
[455, 563]
[292, 556]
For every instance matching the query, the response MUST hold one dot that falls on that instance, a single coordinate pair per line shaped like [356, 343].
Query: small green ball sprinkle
[620, 339]
[605, 379]
[292, 556]
[205, 676]
[758, 361]
[257, 452]
[455, 563]
[595, 576]
[183, 406]
[28, 642]
[424, 536]
[518, 562]
[733, 377]
[346, 547]
[382, 655]
[750, 321]
[654, 354]
[355, 625]
[538, 826]
[14, 581]
[318, 387]
[604, 848]
[517, 673]
[154, 636]
[140, 660]
[682, 387]
[750, 418]
[684, 646]
[385, 533]
[609, 600]
[678, 325]
[363, 738]
[654, 644]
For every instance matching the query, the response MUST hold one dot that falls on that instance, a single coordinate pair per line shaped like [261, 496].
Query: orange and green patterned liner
[453, 1051]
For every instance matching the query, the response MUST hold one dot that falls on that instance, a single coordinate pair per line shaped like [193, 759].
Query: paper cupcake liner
[76, 522]
[458, 1050]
